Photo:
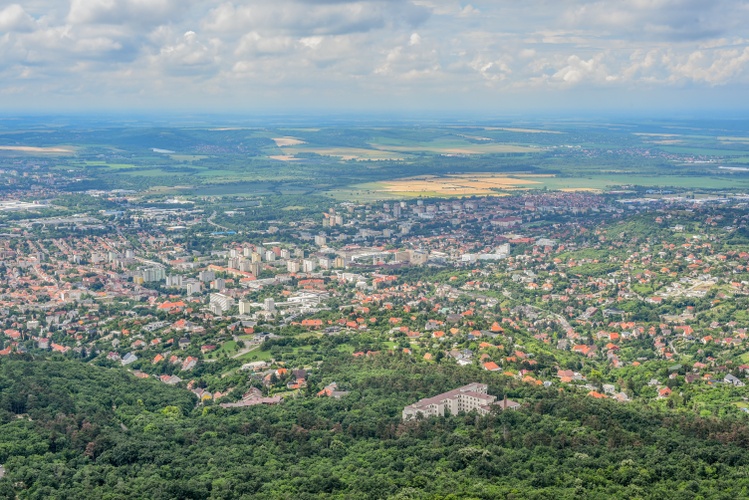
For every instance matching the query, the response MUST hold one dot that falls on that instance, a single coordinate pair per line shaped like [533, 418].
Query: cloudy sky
[390, 55]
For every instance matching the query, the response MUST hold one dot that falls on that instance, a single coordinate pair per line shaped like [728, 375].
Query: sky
[286, 56]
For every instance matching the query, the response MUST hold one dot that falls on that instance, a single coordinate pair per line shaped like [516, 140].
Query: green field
[353, 162]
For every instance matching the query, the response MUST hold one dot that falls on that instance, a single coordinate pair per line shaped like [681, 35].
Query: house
[128, 359]
[312, 323]
[733, 380]
[189, 363]
[491, 366]
[664, 393]
[170, 379]
[586, 350]
[331, 391]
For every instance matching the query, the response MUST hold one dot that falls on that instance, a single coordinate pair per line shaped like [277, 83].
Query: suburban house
[463, 399]
[733, 380]
[331, 391]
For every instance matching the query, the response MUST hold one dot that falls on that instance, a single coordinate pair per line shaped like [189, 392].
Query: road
[565, 324]
[245, 350]
[209, 220]
[671, 345]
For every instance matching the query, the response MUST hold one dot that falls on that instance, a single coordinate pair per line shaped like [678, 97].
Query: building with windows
[222, 301]
[463, 399]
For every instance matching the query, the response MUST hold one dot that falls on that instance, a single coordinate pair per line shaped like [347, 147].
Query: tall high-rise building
[269, 305]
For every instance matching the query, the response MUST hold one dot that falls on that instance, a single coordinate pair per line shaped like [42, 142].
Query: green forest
[73, 430]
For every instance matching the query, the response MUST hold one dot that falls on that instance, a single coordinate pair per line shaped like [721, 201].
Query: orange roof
[171, 305]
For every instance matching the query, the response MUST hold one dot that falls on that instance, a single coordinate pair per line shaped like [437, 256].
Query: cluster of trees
[78, 431]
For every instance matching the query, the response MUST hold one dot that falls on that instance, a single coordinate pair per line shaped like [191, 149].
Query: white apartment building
[463, 399]
[194, 288]
[309, 265]
[222, 301]
[293, 266]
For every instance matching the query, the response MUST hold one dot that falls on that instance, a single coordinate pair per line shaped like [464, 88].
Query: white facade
[463, 399]
[224, 302]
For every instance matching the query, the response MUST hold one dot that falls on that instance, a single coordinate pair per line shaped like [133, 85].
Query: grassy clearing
[229, 347]
[255, 355]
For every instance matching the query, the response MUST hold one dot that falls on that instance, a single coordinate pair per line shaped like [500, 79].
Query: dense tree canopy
[71, 430]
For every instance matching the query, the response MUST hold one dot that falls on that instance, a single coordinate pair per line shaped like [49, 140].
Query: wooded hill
[71, 430]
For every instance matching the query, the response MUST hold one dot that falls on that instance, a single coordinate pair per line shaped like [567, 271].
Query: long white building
[463, 399]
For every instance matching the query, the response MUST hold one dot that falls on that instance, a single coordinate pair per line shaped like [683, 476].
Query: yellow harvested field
[283, 142]
[284, 158]
[457, 185]
[31, 149]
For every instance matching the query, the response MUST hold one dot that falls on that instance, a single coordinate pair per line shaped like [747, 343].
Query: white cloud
[189, 56]
[357, 48]
[580, 70]
[715, 68]
[15, 18]
[312, 18]
[140, 12]
[254, 44]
